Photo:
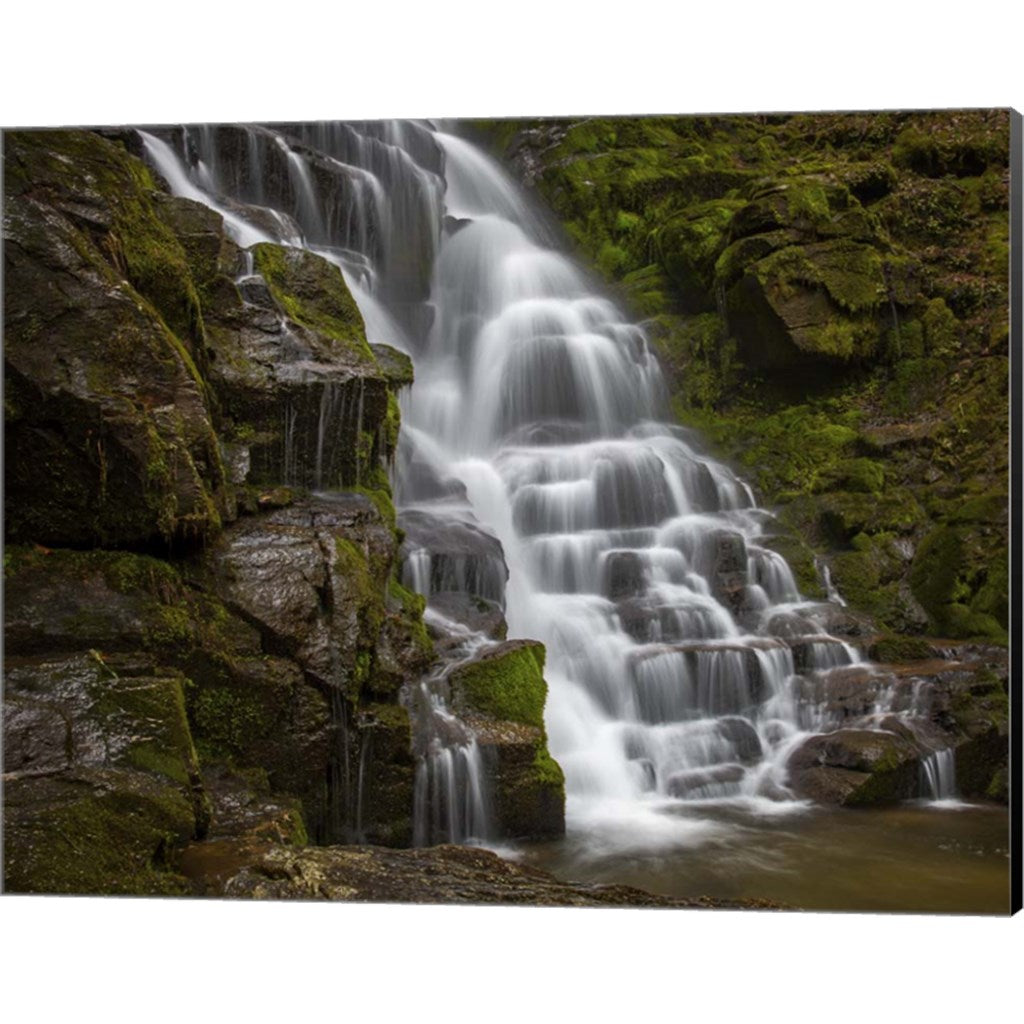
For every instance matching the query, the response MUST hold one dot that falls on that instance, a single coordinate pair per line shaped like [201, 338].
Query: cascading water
[939, 775]
[640, 562]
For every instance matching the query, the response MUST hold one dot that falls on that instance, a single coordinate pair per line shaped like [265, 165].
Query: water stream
[537, 420]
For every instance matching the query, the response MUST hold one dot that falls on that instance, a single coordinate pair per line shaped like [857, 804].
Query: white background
[92, 62]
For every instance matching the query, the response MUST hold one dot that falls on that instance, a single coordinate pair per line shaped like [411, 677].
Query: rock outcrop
[197, 649]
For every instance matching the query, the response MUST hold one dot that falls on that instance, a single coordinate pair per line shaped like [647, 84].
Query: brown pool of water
[913, 857]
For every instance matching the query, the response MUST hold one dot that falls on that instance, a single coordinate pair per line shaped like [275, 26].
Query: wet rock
[303, 388]
[462, 556]
[100, 776]
[818, 652]
[37, 737]
[475, 613]
[285, 573]
[103, 340]
[501, 695]
[439, 874]
[743, 736]
[713, 781]
[624, 574]
[242, 805]
[789, 625]
[855, 767]
[729, 573]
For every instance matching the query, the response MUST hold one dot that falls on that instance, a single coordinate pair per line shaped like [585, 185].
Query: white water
[637, 559]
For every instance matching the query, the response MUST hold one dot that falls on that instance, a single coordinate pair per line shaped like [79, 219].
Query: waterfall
[535, 430]
[938, 775]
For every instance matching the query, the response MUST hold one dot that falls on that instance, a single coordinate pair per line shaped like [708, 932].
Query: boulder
[500, 694]
[458, 555]
[856, 767]
[624, 575]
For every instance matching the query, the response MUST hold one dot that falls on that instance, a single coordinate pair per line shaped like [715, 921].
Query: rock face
[167, 392]
[103, 343]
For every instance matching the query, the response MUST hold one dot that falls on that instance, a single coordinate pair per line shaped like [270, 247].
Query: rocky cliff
[206, 637]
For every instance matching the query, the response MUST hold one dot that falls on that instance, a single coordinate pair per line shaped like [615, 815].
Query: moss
[391, 427]
[863, 475]
[227, 720]
[941, 330]
[999, 787]
[949, 569]
[152, 711]
[916, 384]
[894, 648]
[311, 292]
[801, 561]
[364, 595]
[689, 246]
[699, 357]
[508, 685]
[69, 837]
[547, 772]
[381, 498]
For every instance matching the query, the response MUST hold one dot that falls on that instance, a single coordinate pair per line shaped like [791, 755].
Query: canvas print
[579, 511]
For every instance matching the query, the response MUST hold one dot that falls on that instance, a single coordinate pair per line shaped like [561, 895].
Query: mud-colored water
[915, 857]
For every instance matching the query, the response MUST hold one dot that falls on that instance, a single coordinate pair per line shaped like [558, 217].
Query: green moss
[364, 594]
[381, 498]
[391, 427]
[546, 770]
[864, 475]
[153, 712]
[312, 292]
[916, 384]
[112, 839]
[999, 788]
[689, 246]
[508, 685]
[950, 569]
[894, 648]
[228, 719]
[941, 330]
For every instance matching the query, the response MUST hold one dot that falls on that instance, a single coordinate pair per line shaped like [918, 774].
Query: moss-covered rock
[97, 832]
[101, 776]
[301, 389]
[312, 292]
[501, 693]
[505, 682]
[856, 767]
[104, 342]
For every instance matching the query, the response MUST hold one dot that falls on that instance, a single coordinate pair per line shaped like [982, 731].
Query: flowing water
[643, 564]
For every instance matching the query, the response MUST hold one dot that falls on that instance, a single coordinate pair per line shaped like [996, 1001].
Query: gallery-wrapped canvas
[593, 511]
